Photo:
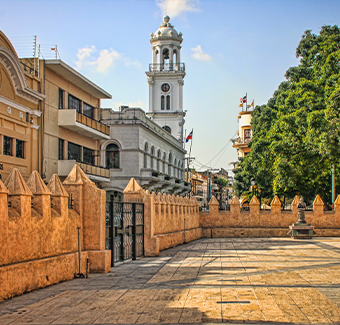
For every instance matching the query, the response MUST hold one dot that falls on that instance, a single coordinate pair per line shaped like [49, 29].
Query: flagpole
[246, 103]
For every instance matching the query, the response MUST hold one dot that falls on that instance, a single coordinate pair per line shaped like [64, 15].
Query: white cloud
[199, 54]
[83, 54]
[106, 59]
[88, 56]
[175, 8]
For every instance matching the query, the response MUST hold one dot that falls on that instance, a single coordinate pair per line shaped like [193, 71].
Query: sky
[230, 48]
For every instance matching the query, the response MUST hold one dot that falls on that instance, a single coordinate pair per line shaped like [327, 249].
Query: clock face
[165, 88]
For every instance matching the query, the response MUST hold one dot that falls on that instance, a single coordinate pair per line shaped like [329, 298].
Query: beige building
[244, 133]
[72, 131]
[21, 105]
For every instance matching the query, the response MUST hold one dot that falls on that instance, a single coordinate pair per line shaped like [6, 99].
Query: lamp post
[252, 182]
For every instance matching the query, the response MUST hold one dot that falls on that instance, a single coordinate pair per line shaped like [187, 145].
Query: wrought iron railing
[83, 119]
[158, 67]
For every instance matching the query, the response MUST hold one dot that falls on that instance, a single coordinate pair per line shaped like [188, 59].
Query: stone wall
[271, 223]
[169, 220]
[38, 231]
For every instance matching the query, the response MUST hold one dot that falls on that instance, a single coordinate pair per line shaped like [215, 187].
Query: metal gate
[124, 230]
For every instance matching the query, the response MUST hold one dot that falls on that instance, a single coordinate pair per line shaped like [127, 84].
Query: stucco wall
[271, 223]
[38, 231]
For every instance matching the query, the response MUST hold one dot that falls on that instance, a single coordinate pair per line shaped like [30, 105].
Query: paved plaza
[244, 280]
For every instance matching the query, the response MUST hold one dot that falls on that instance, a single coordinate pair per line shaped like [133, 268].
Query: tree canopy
[296, 135]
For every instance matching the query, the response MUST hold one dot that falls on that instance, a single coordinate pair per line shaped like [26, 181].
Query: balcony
[95, 173]
[242, 142]
[166, 67]
[80, 123]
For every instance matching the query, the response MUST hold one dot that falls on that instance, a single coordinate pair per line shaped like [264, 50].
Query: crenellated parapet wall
[266, 223]
[169, 220]
[38, 230]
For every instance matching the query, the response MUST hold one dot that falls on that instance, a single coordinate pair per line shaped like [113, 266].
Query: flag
[252, 103]
[189, 137]
[240, 105]
[52, 48]
[244, 99]
[241, 100]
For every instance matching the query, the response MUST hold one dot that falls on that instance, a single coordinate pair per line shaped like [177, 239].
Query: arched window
[175, 172]
[152, 156]
[112, 156]
[158, 159]
[169, 163]
[162, 103]
[164, 159]
[168, 102]
[167, 128]
[179, 169]
[145, 165]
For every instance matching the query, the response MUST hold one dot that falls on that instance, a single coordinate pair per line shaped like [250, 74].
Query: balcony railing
[241, 140]
[159, 67]
[83, 119]
[94, 170]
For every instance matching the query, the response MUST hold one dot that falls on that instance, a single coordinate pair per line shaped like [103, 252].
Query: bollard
[79, 275]
[87, 268]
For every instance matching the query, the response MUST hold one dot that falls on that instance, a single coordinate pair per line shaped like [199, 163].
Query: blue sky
[230, 48]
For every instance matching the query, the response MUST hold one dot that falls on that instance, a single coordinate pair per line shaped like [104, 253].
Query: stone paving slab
[208, 281]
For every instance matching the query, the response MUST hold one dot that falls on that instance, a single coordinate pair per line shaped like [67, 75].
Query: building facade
[21, 106]
[140, 148]
[166, 79]
[72, 130]
[244, 134]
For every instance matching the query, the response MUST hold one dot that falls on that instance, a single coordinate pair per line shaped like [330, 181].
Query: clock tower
[166, 78]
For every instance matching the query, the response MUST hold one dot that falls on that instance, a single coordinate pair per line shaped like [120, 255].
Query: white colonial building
[141, 149]
[166, 79]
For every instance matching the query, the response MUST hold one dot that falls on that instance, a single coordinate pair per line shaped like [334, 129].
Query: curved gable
[10, 62]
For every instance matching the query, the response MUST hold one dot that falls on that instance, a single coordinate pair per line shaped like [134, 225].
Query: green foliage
[296, 136]
[221, 182]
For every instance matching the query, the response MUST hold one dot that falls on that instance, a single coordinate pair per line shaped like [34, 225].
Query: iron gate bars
[124, 230]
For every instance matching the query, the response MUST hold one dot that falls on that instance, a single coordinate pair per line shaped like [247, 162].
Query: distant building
[139, 148]
[21, 106]
[244, 134]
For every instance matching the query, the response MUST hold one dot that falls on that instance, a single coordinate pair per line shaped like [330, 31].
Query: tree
[296, 136]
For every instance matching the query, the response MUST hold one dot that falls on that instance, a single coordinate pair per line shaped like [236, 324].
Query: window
[247, 135]
[20, 149]
[88, 110]
[168, 102]
[112, 156]
[167, 128]
[151, 158]
[74, 103]
[74, 152]
[61, 99]
[145, 164]
[88, 156]
[61, 149]
[162, 103]
[8, 146]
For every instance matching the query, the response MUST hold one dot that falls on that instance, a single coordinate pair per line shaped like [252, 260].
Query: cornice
[20, 107]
